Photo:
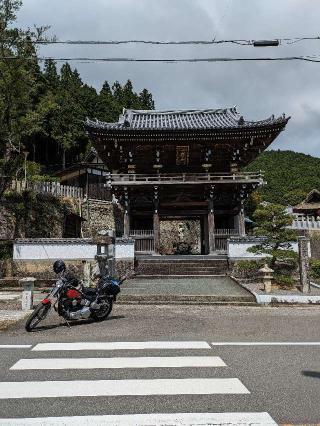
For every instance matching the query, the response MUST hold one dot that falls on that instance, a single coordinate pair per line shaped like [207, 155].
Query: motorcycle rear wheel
[102, 313]
[38, 315]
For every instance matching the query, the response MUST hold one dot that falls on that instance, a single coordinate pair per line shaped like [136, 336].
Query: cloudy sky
[258, 89]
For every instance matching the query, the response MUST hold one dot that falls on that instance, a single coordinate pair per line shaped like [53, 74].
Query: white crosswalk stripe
[135, 362]
[51, 389]
[126, 386]
[112, 346]
[180, 419]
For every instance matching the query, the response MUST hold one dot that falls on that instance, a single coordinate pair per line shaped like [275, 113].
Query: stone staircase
[181, 266]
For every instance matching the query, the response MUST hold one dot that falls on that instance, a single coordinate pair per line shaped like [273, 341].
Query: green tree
[272, 222]
[286, 172]
[146, 100]
[20, 85]
[294, 197]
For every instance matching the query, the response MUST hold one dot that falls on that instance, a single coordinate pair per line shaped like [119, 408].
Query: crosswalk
[190, 382]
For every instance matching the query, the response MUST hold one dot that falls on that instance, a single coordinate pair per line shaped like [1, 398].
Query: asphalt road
[282, 380]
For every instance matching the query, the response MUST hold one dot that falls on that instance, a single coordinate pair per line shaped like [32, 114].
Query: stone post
[27, 294]
[267, 276]
[303, 244]
[103, 241]
[86, 273]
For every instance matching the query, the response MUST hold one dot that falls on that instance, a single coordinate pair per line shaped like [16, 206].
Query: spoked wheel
[39, 314]
[103, 312]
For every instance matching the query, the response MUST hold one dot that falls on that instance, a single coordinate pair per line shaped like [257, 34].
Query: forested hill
[289, 175]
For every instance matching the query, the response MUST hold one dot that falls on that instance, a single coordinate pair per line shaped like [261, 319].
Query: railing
[182, 178]
[144, 240]
[221, 239]
[306, 222]
[141, 233]
[54, 188]
[226, 232]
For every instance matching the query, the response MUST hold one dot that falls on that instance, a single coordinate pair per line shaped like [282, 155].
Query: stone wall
[29, 215]
[42, 270]
[101, 215]
[180, 237]
[314, 243]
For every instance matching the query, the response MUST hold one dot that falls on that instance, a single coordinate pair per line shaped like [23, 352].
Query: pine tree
[146, 100]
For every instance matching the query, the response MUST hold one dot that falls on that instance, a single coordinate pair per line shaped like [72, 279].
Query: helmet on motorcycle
[59, 266]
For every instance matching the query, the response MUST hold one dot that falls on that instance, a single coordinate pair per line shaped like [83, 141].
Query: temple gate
[182, 165]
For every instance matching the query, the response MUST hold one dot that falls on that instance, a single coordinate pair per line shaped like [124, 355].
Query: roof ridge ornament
[241, 121]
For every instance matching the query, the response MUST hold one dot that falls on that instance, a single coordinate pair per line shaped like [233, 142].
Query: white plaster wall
[239, 250]
[124, 250]
[53, 251]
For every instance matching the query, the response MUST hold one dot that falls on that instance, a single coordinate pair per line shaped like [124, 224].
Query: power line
[314, 58]
[244, 42]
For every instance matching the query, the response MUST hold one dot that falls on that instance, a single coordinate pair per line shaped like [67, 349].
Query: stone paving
[192, 286]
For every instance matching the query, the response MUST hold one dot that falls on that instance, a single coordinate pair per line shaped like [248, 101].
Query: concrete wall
[124, 249]
[238, 248]
[35, 257]
[67, 249]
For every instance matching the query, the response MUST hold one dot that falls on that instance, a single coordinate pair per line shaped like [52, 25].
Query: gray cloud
[258, 89]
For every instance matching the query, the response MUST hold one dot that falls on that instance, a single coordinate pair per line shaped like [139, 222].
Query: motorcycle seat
[88, 291]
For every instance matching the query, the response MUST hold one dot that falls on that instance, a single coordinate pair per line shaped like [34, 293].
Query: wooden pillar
[126, 225]
[211, 225]
[156, 222]
[126, 217]
[241, 221]
[211, 232]
[206, 234]
[156, 233]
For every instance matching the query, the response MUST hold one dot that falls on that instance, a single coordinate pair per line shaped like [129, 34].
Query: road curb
[281, 299]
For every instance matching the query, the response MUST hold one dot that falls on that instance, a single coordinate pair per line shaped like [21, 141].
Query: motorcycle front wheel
[103, 312]
[39, 314]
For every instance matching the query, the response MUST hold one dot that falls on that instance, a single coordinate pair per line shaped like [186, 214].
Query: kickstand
[68, 323]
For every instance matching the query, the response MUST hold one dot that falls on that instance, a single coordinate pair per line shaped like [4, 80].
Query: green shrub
[315, 268]
[5, 250]
[248, 265]
[284, 280]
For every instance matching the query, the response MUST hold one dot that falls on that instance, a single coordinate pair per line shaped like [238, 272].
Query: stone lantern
[267, 276]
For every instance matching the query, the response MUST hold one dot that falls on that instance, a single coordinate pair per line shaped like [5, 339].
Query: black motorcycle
[77, 303]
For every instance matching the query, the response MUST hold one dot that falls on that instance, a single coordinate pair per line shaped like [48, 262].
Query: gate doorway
[180, 237]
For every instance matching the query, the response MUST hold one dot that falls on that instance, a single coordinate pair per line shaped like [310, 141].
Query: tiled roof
[227, 118]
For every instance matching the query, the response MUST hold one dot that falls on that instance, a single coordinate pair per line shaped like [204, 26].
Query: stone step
[180, 272]
[181, 262]
[165, 269]
[175, 276]
[187, 299]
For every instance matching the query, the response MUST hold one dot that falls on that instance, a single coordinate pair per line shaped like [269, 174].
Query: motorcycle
[77, 303]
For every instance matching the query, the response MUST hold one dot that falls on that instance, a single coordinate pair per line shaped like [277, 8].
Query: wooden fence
[144, 240]
[221, 237]
[54, 188]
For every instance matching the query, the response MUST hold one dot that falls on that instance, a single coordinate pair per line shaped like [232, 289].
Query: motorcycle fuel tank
[73, 294]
